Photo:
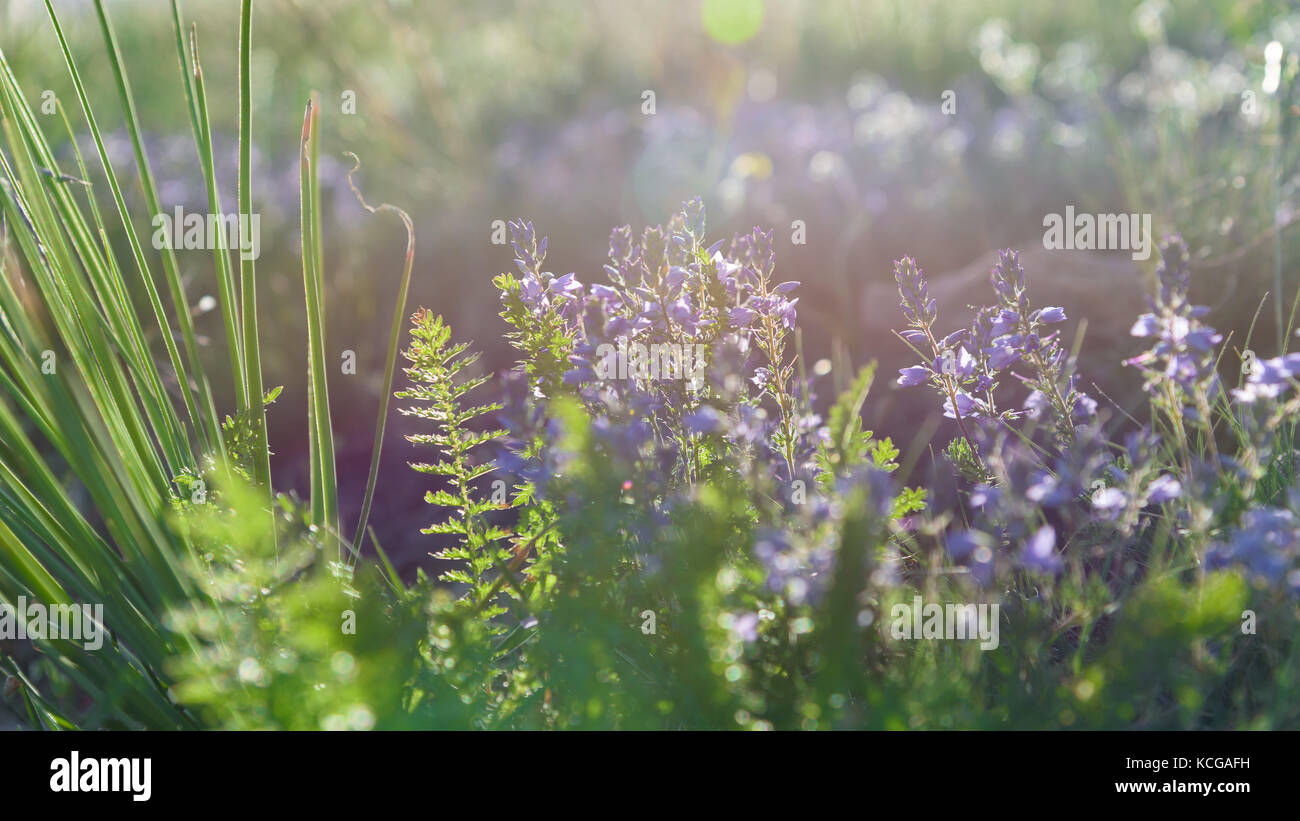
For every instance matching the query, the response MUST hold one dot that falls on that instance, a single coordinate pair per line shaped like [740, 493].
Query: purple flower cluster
[799, 560]
[1018, 334]
[918, 306]
[1266, 547]
[949, 365]
[1183, 354]
[796, 570]
[964, 365]
[541, 290]
[1025, 515]
[1034, 501]
[1268, 378]
[667, 287]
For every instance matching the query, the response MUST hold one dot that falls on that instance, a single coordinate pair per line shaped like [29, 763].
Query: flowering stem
[949, 385]
[1177, 418]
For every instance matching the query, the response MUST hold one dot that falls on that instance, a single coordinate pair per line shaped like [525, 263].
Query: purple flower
[741, 316]
[604, 292]
[1045, 489]
[966, 543]
[958, 363]
[967, 406]
[705, 420]
[1276, 371]
[1253, 392]
[1269, 378]
[1085, 407]
[785, 312]
[953, 338]
[1003, 353]
[915, 375]
[914, 293]
[1109, 499]
[985, 495]
[1049, 316]
[618, 326]
[566, 285]
[1040, 551]
[1035, 403]
[1266, 545]
[726, 268]
[1183, 352]
[1008, 276]
[1202, 339]
[1163, 488]
[1004, 322]
[1146, 325]
[674, 279]
[530, 290]
[581, 372]
[680, 311]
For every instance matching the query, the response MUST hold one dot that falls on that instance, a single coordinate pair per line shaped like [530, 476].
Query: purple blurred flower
[965, 543]
[1163, 489]
[705, 419]
[1269, 378]
[604, 292]
[1184, 349]
[1267, 546]
[745, 627]
[1109, 499]
[1040, 551]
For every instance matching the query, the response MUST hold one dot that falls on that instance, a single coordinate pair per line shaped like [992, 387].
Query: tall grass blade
[324, 479]
[247, 270]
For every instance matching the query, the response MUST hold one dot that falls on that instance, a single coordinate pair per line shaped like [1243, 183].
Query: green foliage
[439, 390]
[965, 461]
[286, 638]
[849, 446]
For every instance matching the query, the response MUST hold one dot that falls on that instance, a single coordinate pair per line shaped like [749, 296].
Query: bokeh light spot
[732, 21]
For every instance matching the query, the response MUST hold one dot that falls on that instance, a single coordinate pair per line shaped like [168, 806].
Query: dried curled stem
[399, 314]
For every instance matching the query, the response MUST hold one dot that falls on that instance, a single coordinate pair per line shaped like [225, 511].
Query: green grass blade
[142, 265]
[197, 100]
[211, 429]
[324, 500]
[253, 387]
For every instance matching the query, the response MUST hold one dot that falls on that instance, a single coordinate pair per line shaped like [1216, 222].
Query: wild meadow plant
[623, 544]
[710, 553]
[120, 484]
